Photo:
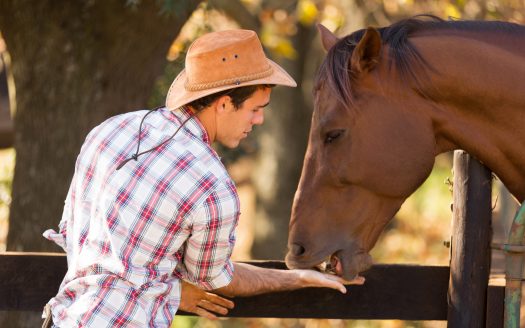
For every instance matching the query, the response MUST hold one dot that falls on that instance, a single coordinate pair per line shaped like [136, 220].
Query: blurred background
[66, 67]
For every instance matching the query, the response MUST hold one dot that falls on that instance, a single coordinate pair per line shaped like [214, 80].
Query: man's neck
[206, 117]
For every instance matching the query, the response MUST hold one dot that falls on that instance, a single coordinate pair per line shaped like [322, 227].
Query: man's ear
[223, 103]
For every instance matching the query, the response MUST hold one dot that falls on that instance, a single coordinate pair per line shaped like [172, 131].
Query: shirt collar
[194, 126]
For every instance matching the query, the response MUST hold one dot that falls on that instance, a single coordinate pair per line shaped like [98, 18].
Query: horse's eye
[331, 136]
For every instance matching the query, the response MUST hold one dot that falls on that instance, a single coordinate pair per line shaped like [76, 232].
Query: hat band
[230, 81]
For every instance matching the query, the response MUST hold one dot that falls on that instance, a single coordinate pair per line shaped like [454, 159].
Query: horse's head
[368, 151]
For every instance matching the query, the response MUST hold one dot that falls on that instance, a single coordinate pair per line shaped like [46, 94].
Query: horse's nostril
[297, 249]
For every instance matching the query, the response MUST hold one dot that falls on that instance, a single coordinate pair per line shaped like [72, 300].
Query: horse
[386, 102]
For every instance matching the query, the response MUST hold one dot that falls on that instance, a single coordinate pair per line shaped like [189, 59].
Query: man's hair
[237, 95]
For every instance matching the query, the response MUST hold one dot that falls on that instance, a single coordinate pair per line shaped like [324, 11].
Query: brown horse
[387, 101]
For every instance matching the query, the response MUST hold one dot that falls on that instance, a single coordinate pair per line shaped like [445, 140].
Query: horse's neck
[470, 73]
[480, 101]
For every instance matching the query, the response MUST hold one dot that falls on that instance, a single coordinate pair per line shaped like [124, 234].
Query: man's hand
[312, 278]
[195, 300]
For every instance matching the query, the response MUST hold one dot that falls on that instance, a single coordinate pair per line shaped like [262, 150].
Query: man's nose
[258, 118]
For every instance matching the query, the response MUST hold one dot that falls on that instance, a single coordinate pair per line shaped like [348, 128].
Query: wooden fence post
[471, 236]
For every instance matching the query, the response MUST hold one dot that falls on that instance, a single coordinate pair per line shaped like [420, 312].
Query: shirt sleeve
[206, 259]
[60, 237]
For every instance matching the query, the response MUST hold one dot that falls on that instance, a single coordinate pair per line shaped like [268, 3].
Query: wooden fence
[459, 293]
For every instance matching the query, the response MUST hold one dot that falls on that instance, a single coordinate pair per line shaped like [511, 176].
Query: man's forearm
[249, 280]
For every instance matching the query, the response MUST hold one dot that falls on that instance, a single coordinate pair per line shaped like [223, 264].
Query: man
[151, 212]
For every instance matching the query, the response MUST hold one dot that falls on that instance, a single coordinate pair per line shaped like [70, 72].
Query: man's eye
[331, 136]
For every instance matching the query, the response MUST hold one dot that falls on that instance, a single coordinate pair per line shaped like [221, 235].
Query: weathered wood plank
[390, 292]
[28, 280]
[471, 235]
[495, 306]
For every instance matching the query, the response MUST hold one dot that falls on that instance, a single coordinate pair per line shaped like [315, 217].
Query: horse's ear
[327, 38]
[366, 53]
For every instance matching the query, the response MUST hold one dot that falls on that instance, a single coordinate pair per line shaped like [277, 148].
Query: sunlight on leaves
[278, 44]
[332, 17]
[284, 48]
[307, 12]
[452, 11]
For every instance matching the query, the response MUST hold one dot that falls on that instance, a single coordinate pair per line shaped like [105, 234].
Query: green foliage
[423, 223]
[184, 322]
[170, 7]
[7, 158]
[7, 163]
[158, 97]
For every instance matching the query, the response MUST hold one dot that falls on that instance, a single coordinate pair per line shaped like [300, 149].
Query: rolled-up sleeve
[208, 250]
[60, 237]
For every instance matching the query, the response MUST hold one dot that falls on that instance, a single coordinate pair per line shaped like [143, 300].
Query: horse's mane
[403, 54]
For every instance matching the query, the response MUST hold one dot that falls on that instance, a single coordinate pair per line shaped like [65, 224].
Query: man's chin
[230, 145]
[233, 145]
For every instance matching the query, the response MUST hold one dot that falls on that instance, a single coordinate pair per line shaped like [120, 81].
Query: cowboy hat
[224, 60]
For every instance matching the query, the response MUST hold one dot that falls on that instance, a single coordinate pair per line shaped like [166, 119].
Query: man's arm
[249, 280]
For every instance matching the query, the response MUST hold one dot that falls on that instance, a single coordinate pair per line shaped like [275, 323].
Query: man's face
[234, 124]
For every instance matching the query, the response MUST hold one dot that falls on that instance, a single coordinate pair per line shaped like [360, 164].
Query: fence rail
[29, 280]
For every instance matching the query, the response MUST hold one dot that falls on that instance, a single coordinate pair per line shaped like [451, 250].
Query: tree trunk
[75, 63]
[283, 140]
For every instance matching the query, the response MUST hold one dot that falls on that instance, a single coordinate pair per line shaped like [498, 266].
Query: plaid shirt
[131, 234]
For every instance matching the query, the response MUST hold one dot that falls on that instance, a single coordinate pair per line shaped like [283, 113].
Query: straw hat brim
[179, 96]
